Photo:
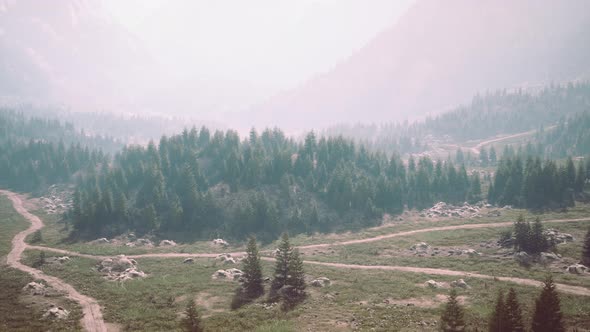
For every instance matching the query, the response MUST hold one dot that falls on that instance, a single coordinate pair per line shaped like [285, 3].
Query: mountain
[438, 55]
[69, 51]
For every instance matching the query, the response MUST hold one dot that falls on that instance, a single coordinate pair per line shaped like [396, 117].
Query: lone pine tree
[452, 317]
[513, 313]
[191, 322]
[498, 317]
[252, 271]
[548, 316]
[281, 273]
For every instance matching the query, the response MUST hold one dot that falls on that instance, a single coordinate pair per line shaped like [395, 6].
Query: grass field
[16, 313]
[364, 300]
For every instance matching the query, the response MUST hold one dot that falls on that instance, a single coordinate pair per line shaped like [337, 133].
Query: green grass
[16, 315]
[355, 296]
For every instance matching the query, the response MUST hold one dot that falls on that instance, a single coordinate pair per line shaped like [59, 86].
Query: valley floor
[378, 283]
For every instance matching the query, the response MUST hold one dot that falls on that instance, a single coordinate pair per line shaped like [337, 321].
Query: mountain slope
[439, 54]
[68, 51]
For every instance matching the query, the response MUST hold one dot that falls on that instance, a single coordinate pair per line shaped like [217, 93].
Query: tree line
[206, 184]
[536, 184]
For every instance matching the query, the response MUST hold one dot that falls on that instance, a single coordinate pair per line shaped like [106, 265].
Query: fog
[294, 64]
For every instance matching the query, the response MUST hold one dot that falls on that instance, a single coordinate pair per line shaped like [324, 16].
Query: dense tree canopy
[204, 184]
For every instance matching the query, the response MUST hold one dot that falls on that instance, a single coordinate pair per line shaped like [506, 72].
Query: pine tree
[252, 271]
[513, 313]
[539, 242]
[296, 276]
[191, 322]
[548, 316]
[522, 234]
[586, 250]
[498, 317]
[281, 274]
[452, 318]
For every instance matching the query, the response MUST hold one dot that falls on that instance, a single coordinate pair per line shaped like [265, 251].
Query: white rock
[321, 282]
[220, 242]
[57, 313]
[433, 284]
[576, 269]
[168, 243]
[34, 288]
[459, 283]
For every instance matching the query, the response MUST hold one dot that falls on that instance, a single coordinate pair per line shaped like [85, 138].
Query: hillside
[417, 66]
[68, 51]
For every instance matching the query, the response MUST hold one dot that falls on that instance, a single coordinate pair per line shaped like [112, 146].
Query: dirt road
[92, 320]
[431, 229]
[18, 242]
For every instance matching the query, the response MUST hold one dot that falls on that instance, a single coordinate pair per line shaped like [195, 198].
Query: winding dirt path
[576, 290]
[92, 320]
[19, 246]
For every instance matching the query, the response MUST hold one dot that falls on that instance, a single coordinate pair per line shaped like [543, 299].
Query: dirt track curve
[92, 320]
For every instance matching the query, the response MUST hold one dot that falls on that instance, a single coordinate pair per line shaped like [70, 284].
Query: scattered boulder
[120, 268]
[442, 209]
[102, 240]
[226, 259]
[433, 284]
[188, 260]
[471, 252]
[420, 246]
[229, 274]
[576, 269]
[494, 213]
[167, 243]
[523, 258]
[34, 288]
[557, 237]
[459, 283]
[220, 242]
[63, 259]
[321, 282]
[56, 313]
[548, 257]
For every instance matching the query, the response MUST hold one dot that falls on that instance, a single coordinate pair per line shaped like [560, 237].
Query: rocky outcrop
[120, 268]
[433, 284]
[420, 247]
[523, 258]
[57, 200]
[34, 288]
[321, 282]
[220, 242]
[459, 283]
[442, 209]
[557, 237]
[188, 260]
[576, 269]
[167, 243]
[56, 313]
[229, 274]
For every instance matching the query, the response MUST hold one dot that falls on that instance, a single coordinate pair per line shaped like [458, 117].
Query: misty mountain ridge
[439, 55]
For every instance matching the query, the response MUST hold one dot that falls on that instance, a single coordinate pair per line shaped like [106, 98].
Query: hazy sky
[271, 45]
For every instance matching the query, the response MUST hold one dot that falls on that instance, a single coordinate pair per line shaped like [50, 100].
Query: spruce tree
[191, 322]
[281, 273]
[252, 271]
[296, 277]
[452, 318]
[513, 313]
[538, 242]
[498, 317]
[548, 316]
[586, 250]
